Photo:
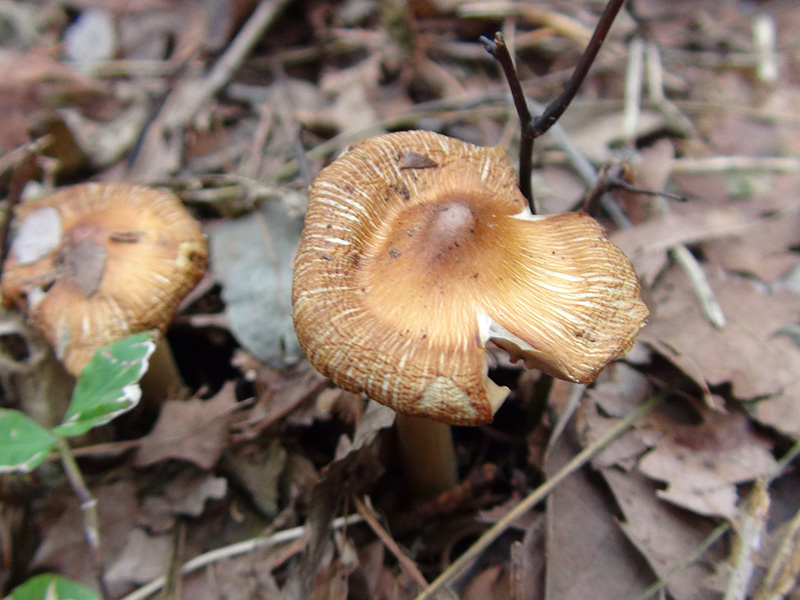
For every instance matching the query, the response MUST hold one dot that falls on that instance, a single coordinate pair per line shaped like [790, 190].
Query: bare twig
[17, 155]
[703, 291]
[724, 164]
[198, 562]
[658, 99]
[191, 94]
[783, 572]
[499, 50]
[88, 504]
[556, 108]
[405, 563]
[531, 128]
[765, 36]
[633, 89]
[749, 524]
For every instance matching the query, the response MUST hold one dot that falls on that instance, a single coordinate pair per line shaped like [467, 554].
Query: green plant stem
[535, 497]
[91, 521]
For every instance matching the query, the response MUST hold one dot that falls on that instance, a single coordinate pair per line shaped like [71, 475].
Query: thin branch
[218, 554]
[531, 128]
[557, 107]
[498, 49]
[408, 565]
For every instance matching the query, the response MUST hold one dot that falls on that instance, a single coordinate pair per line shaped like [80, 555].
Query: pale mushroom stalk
[418, 249]
[163, 379]
[427, 456]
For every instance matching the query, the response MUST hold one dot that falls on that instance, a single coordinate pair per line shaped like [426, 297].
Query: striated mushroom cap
[94, 263]
[419, 248]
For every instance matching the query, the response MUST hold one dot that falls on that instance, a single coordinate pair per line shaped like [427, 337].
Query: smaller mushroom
[418, 249]
[95, 263]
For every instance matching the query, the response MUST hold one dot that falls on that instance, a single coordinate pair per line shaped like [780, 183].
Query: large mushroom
[418, 249]
[95, 263]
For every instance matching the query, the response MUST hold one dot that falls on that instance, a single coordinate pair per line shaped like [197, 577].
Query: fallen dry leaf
[646, 244]
[766, 250]
[702, 464]
[701, 454]
[750, 352]
[143, 558]
[193, 430]
[587, 554]
[665, 535]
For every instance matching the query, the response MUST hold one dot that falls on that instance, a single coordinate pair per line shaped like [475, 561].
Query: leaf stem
[91, 521]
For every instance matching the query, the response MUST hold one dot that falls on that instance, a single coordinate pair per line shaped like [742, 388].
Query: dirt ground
[263, 479]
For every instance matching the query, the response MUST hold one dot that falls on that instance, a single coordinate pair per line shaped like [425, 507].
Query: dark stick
[499, 50]
[612, 179]
[531, 128]
[557, 107]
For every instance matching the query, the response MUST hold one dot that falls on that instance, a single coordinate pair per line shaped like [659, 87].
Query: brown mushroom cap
[95, 263]
[419, 248]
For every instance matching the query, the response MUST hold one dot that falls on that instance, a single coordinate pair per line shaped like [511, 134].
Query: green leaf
[109, 384]
[52, 587]
[24, 444]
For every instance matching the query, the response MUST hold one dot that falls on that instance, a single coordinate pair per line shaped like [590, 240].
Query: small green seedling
[52, 587]
[107, 387]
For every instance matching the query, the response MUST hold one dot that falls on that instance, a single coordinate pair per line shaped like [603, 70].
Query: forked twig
[531, 128]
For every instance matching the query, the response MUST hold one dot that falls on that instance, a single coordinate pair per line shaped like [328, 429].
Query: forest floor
[234, 106]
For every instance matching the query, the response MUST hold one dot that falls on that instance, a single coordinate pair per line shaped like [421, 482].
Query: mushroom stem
[427, 455]
[162, 381]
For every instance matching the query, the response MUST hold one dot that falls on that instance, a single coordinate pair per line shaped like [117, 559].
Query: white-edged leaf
[52, 587]
[24, 444]
[109, 384]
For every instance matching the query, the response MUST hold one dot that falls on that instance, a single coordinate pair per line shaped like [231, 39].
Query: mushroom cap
[95, 263]
[419, 248]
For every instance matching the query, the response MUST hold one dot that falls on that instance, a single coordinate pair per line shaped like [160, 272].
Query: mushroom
[95, 263]
[418, 249]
